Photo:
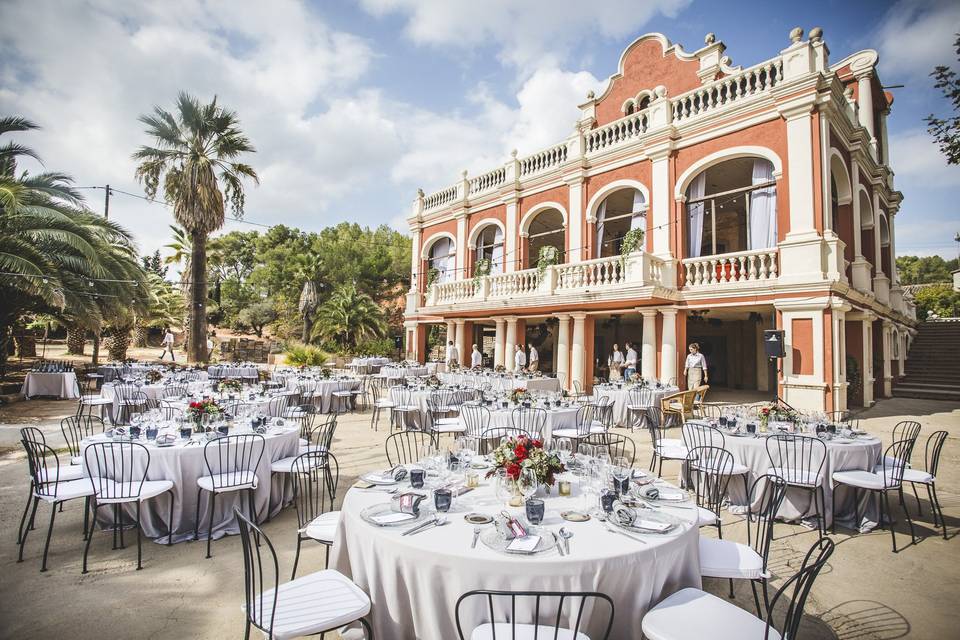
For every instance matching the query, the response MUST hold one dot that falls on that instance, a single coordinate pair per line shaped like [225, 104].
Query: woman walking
[695, 367]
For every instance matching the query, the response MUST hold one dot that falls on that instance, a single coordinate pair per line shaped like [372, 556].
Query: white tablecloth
[621, 400]
[152, 391]
[501, 383]
[858, 455]
[62, 385]
[394, 373]
[557, 418]
[434, 368]
[323, 391]
[183, 465]
[232, 371]
[414, 581]
[114, 371]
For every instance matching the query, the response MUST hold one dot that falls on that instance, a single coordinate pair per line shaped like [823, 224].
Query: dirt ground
[866, 592]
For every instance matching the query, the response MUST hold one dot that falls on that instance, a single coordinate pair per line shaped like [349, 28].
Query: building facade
[694, 201]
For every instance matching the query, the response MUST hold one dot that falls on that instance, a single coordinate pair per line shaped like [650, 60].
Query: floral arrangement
[231, 385]
[325, 373]
[500, 369]
[518, 395]
[433, 381]
[453, 365]
[153, 376]
[636, 378]
[776, 413]
[632, 241]
[517, 454]
[204, 407]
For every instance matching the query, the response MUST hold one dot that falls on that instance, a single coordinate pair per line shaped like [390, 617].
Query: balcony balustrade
[728, 268]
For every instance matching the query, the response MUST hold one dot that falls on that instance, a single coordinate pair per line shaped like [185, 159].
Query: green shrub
[306, 355]
[375, 347]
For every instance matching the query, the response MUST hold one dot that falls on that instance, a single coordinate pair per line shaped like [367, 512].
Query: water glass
[443, 500]
[535, 510]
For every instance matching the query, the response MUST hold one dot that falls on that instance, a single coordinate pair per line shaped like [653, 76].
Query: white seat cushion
[692, 614]
[65, 473]
[506, 630]
[324, 527]
[803, 477]
[383, 404]
[672, 443]
[567, 433]
[739, 469]
[728, 559]
[314, 603]
[454, 426]
[95, 401]
[150, 489]
[236, 480]
[673, 453]
[863, 479]
[706, 518]
[294, 412]
[916, 475]
[66, 490]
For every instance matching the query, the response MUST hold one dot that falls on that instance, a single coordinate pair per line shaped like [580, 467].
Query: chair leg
[46, 546]
[936, 505]
[886, 503]
[196, 520]
[86, 547]
[170, 521]
[366, 628]
[915, 495]
[819, 504]
[731, 588]
[296, 558]
[86, 515]
[23, 538]
[213, 505]
[139, 544]
[906, 512]
[26, 510]
[756, 599]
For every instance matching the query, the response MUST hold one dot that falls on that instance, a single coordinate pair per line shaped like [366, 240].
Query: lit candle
[565, 487]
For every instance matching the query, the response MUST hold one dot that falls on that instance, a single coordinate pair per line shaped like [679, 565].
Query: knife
[422, 525]
[557, 542]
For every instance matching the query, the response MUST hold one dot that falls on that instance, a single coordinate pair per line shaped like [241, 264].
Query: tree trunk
[307, 326]
[95, 359]
[26, 346]
[140, 336]
[118, 343]
[76, 339]
[197, 347]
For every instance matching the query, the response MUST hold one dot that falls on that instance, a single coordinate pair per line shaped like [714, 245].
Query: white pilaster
[660, 202]
[461, 344]
[461, 247]
[563, 350]
[579, 352]
[510, 346]
[648, 348]
[859, 268]
[510, 246]
[575, 222]
[887, 359]
[839, 350]
[867, 373]
[498, 342]
[451, 335]
[668, 345]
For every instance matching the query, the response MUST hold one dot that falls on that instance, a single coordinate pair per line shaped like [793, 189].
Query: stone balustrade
[728, 90]
[543, 160]
[617, 132]
[743, 266]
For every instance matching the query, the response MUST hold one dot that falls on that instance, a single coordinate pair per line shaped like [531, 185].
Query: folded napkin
[623, 515]
[650, 492]
[651, 525]
[166, 438]
[389, 518]
[509, 527]
[525, 544]
[407, 503]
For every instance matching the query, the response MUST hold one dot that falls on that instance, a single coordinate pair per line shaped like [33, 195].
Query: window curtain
[763, 207]
[601, 222]
[442, 259]
[496, 257]
[695, 211]
[639, 219]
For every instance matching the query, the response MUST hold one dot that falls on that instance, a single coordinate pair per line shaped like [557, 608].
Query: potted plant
[632, 241]
[481, 270]
[548, 256]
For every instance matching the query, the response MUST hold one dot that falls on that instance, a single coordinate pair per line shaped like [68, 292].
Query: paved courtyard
[866, 592]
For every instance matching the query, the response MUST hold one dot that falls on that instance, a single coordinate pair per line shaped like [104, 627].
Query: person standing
[534, 359]
[519, 359]
[476, 358]
[168, 344]
[615, 363]
[630, 362]
[695, 367]
[451, 353]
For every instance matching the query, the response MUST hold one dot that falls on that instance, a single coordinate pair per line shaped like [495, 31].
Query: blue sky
[353, 105]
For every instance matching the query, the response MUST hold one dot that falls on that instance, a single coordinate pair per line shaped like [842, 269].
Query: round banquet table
[620, 398]
[183, 463]
[414, 581]
[557, 418]
[503, 383]
[860, 454]
[216, 371]
[151, 391]
[62, 385]
[322, 389]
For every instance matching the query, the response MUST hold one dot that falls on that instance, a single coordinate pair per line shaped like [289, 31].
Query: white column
[575, 222]
[800, 161]
[510, 346]
[902, 337]
[461, 247]
[451, 335]
[563, 350]
[498, 343]
[415, 255]
[461, 344]
[867, 373]
[648, 349]
[887, 359]
[884, 143]
[660, 206]
[668, 345]
[510, 247]
[865, 102]
[579, 352]
[839, 349]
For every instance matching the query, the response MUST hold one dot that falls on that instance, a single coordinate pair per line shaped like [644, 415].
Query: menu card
[526, 544]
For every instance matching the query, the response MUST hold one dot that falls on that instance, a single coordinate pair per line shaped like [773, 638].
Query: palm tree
[180, 245]
[349, 317]
[195, 155]
[57, 258]
[309, 295]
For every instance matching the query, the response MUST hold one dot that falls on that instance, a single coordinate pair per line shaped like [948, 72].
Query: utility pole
[106, 202]
[96, 333]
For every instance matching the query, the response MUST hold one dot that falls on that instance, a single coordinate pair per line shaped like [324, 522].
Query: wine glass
[563, 448]
[585, 450]
[527, 482]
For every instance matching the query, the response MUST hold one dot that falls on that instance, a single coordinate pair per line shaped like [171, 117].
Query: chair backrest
[907, 430]
[491, 438]
[585, 417]
[476, 419]
[640, 397]
[530, 420]
[320, 436]
[798, 459]
[174, 391]
[687, 399]
[43, 464]
[228, 457]
[766, 496]
[400, 396]
[259, 557]
[711, 411]
[710, 469]
[895, 460]
[117, 469]
[931, 453]
[553, 611]
[698, 434]
[315, 477]
[277, 405]
[76, 428]
[798, 588]
[171, 413]
[618, 446]
[404, 447]
[126, 393]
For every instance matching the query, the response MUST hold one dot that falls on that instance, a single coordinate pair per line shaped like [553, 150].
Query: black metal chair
[403, 409]
[604, 411]
[701, 434]
[315, 475]
[908, 430]
[888, 477]
[118, 474]
[232, 463]
[277, 405]
[48, 485]
[72, 472]
[618, 446]
[545, 614]
[662, 448]
[75, 429]
[693, 614]
[279, 610]
[799, 461]
[639, 401]
[530, 420]
[586, 424]
[708, 474]
[342, 396]
[404, 447]
[928, 477]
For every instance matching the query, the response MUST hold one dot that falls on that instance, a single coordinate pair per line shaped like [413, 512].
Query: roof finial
[590, 95]
[710, 38]
[816, 34]
[796, 35]
[463, 173]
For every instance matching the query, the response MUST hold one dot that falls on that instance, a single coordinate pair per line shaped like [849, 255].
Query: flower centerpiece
[776, 413]
[433, 381]
[518, 395]
[325, 373]
[153, 376]
[500, 369]
[200, 408]
[636, 378]
[517, 454]
[548, 256]
[231, 385]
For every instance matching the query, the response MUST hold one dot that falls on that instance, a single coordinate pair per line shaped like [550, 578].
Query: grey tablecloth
[60, 385]
[504, 383]
[621, 400]
[184, 465]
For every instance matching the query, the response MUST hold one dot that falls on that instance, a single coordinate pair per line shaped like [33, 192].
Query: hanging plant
[480, 270]
[432, 275]
[548, 256]
[632, 241]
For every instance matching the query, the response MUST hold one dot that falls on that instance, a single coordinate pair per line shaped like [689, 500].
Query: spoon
[566, 535]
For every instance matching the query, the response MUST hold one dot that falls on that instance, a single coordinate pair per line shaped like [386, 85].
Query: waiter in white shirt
[476, 358]
[451, 353]
[630, 362]
[695, 367]
[534, 359]
[519, 359]
[168, 345]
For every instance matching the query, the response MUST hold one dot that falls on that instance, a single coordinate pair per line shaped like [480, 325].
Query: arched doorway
[441, 260]
[489, 246]
[545, 229]
[620, 212]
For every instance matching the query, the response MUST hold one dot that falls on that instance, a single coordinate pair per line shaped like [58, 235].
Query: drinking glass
[585, 450]
[527, 483]
[563, 447]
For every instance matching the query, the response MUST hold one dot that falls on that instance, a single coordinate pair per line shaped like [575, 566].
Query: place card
[651, 525]
[526, 544]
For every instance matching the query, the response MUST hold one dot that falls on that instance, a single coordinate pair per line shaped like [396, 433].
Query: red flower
[513, 470]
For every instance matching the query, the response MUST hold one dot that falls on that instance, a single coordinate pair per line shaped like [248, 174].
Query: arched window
[443, 259]
[490, 247]
[731, 207]
[620, 212]
[546, 229]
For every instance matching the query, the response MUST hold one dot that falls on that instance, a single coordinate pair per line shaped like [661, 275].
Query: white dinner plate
[382, 515]
[374, 477]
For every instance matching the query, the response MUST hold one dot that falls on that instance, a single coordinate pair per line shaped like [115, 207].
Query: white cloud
[529, 34]
[917, 161]
[917, 35]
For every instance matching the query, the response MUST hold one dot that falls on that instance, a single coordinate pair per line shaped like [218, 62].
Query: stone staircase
[933, 363]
